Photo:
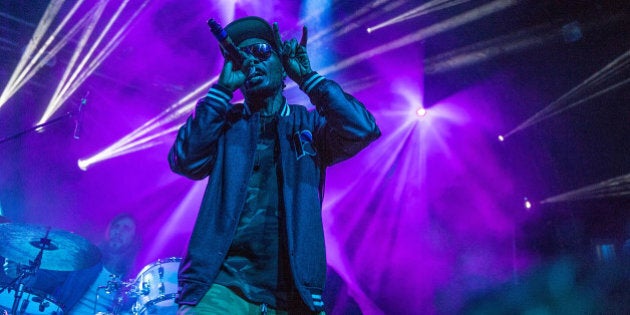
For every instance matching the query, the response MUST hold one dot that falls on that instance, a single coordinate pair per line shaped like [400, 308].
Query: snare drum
[156, 287]
[32, 303]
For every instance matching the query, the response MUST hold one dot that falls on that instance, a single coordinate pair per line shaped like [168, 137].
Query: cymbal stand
[18, 286]
[33, 267]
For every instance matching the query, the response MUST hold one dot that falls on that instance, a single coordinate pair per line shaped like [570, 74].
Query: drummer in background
[78, 291]
[119, 251]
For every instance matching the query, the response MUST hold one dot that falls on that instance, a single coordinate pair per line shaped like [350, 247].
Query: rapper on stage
[257, 244]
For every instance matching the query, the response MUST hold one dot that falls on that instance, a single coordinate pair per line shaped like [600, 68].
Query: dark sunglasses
[262, 51]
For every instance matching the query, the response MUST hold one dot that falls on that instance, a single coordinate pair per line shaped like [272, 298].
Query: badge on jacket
[303, 142]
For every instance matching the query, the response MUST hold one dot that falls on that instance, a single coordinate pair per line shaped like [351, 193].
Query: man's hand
[231, 78]
[293, 55]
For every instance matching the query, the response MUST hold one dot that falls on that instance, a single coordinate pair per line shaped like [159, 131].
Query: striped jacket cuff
[311, 81]
[220, 94]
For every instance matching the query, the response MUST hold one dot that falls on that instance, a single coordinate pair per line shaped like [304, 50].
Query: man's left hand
[293, 55]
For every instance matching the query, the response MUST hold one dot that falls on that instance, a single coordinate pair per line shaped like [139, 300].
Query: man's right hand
[231, 78]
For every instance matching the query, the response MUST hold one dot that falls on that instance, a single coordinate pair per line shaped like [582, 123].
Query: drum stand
[33, 267]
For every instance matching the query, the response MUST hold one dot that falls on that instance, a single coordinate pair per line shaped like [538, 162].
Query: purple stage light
[421, 112]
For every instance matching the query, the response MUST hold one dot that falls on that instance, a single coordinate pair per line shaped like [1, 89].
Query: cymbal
[62, 250]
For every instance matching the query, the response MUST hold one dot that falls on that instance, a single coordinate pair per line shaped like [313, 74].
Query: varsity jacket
[219, 141]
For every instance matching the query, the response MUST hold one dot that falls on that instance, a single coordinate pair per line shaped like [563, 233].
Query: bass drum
[156, 288]
[32, 303]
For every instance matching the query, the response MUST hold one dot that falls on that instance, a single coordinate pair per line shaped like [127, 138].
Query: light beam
[451, 23]
[600, 83]
[614, 187]
[424, 9]
[73, 76]
[139, 138]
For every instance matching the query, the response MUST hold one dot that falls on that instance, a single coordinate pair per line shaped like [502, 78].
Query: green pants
[220, 300]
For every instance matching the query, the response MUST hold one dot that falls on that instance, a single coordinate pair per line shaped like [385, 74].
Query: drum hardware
[161, 288]
[44, 243]
[64, 251]
[156, 287]
[114, 284]
[121, 289]
[24, 300]
[146, 288]
[43, 304]
[32, 302]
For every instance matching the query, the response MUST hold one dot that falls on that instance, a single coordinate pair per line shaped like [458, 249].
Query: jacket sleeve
[195, 148]
[348, 127]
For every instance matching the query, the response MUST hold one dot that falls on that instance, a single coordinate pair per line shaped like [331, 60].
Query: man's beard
[117, 246]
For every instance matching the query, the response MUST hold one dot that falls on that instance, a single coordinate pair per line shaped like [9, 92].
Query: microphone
[226, 43]
[79, 121]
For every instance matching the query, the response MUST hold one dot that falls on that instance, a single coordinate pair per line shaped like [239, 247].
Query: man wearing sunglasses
[258, 246]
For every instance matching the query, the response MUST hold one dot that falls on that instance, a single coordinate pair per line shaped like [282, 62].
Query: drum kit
[36, 247]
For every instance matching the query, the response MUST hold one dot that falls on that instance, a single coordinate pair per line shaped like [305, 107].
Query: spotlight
[421, 112]
[83, 165]
[527, 204]
[501, 138]
[369, 30]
